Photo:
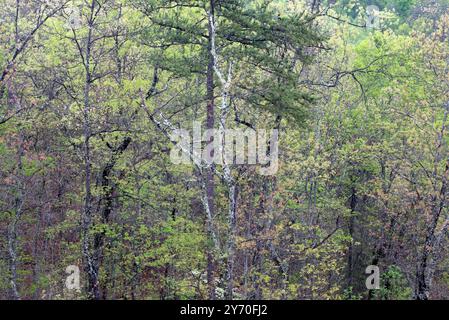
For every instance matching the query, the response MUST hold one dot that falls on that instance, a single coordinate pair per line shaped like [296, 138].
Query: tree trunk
[107, 200]
[426, 266]
[210, 185]
[232, 221]
[12, 231]
[93, 292]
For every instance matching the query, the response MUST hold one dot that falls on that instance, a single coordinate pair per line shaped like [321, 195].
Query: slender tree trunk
[210, 184]
[18, 210]
[18, 202]
[353, 205]
[232, 221]
[93, 291]
[107, 202]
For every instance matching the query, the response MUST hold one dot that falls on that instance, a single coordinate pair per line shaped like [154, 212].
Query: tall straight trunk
[12, 231]
[18, 201]
[93, 291]
[227, 172]
[107, 201]
[353, 205]
[37, 250]
[232, 221]
[210, 185]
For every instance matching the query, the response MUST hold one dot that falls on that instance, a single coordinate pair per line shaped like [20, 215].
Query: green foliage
[363, 149]
[394, 285]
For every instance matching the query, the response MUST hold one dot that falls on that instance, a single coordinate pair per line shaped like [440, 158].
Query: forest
[224, 149]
